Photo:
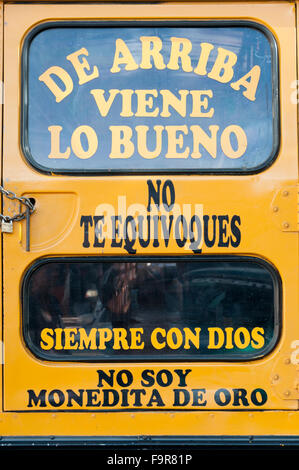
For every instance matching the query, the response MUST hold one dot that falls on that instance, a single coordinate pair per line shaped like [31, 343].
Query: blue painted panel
[220, 122]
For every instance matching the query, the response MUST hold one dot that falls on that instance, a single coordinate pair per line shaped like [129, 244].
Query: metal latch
[7, 221]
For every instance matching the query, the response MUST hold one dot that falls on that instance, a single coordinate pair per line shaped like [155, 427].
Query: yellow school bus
[149, 224]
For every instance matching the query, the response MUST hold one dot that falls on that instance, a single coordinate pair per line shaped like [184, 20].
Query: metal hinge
[285, 376]
[285, 208]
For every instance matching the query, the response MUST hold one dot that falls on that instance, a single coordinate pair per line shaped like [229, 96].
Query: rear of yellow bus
[149, 225]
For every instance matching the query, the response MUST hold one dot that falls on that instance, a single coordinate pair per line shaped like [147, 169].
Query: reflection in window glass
[208, 309]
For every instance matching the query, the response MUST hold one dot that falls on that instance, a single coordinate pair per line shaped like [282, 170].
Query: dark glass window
[174, 309]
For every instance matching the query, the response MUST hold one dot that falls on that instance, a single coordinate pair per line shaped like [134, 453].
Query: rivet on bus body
[276, 377]
[285, 193]
[287, 361]
[287, 393]
[286, 225]
[275, 209]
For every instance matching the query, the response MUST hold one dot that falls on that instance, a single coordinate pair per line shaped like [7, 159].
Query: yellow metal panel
[264, 234]
[1, 102]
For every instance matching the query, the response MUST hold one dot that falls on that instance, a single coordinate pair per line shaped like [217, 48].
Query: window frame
[175, 357]
[24, 140]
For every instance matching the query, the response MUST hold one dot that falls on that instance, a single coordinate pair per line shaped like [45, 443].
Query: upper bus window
[150, 98]
[151, 310]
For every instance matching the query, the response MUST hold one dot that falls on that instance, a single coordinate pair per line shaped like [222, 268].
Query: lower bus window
[211, 309]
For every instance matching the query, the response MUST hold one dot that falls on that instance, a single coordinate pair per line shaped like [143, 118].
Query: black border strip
[150, 23]
[174, 358]
[148, 442]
